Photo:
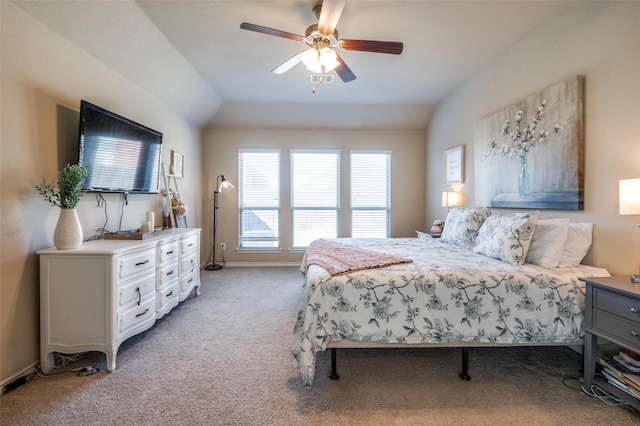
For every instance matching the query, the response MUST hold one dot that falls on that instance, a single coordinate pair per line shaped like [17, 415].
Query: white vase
[68, 233]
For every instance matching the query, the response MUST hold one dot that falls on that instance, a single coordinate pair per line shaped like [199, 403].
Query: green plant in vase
[68, 190]
[65, 194]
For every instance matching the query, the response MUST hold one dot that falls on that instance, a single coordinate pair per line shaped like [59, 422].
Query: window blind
[259, 190]
[315, 195]
[370, 193]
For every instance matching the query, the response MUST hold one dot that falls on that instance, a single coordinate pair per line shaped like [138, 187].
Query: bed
[443, 292]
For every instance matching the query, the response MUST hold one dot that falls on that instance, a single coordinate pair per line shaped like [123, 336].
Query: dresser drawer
[617, 328]
[138, 314]
[167, 298]
[135, 289]
[188, 281]
[616, 304]
[166, 252]
[188, 244]
[131, 264]
[166, 274]
[188, 264]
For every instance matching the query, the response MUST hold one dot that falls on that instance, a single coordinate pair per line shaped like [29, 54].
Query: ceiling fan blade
[329, 14]
[288, 64]
[270, 31]
[392, 47]
[344, 71]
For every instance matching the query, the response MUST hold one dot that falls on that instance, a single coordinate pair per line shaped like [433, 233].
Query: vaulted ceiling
[220, 74]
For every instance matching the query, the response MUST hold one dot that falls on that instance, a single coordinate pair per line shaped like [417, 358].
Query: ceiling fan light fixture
[328, 59]
[320, 61]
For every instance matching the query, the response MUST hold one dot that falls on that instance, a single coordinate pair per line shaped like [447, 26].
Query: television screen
[121, 155]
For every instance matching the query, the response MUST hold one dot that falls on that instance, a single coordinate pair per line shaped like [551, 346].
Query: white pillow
[548, 242]
[462, 225]
[577, 245]
[507, 237]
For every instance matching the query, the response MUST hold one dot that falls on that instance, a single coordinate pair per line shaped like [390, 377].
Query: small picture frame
[177, 164]
[454, 165]
[181, 221]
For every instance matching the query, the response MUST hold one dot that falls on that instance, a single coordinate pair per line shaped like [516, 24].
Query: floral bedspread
[448, 294]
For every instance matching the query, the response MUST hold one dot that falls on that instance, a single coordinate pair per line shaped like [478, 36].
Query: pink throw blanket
[340, 259]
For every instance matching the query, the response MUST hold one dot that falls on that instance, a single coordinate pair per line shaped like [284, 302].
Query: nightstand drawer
[622, 306]
[615, 327]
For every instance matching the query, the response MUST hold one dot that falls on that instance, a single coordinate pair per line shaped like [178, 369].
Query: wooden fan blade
[288, 64]
[344, 71]
[270, 31]
[329, 14]
[392, 47]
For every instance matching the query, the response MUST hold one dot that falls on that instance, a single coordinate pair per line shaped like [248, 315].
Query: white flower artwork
[546, 139]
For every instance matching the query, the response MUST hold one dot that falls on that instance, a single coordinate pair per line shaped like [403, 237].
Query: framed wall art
[454, 165]
[530, 154]
[177, 164]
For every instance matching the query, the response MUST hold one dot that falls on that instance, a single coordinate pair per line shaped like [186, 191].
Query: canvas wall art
[530, 155]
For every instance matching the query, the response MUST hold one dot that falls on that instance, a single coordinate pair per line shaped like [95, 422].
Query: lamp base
[212, 267]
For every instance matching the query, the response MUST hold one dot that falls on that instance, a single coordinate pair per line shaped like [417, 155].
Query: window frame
[295, 208]
[387, 208]
[242, 208]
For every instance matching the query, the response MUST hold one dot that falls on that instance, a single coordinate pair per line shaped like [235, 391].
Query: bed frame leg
[333, 375]
[465, 365]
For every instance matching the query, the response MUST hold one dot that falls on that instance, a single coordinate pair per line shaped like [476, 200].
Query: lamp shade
[450, 199]
[225, 185]
[320, 61]
[630, 196]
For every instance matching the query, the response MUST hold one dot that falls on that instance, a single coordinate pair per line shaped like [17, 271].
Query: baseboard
[259, 264]
[26, 372]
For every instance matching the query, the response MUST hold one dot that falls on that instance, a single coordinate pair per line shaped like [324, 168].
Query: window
[370, 194]
[315, 196]
[259, 189]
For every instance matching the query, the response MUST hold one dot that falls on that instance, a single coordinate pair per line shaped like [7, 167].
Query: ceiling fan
[321, 39]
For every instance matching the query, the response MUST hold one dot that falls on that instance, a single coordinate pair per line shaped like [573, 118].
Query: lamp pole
[222, 185]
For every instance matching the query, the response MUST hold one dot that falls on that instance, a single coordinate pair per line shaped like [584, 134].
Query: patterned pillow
[507, 237]
[462, 225]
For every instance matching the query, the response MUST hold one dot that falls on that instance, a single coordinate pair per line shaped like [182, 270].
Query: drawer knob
[634, 333]
[142, 263]
[634, 310]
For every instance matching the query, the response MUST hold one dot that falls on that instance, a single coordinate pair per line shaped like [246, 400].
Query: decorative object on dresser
[95, 297]
[174, 210]
[612, 312]
[454, 165]
[222, 186]
[436, 228]
[554, 131]
[65, 194]
[630, 205]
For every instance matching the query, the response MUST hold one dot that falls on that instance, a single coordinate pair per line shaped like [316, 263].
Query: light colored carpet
[223, 359]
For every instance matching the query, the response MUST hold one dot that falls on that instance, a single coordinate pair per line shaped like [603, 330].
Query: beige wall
[220, 153]
[43, 79]
[600, 40]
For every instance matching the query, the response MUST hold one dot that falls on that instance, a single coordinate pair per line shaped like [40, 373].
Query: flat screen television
[121, 155]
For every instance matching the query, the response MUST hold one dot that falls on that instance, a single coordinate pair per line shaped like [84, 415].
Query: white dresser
[95, 297]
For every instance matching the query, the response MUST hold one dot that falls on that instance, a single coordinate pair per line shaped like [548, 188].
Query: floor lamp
[222, 186]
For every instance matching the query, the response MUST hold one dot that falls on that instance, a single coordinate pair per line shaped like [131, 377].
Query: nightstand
[612, 312]
[425, 236]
